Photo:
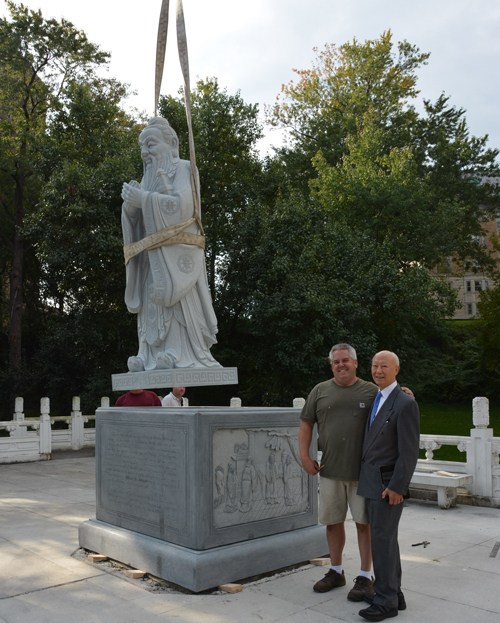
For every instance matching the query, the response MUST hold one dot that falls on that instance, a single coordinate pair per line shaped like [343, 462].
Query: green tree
[37, 57]
[88, 150]
[358, 141]
[399, 196]
[489, 332]
[306, 281]
[330, 101]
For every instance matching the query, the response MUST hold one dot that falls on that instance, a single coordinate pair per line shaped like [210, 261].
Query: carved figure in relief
[287, 481]
[219, 485]
[165, 265]
[249, 485]
[231, 490]
[271, 478]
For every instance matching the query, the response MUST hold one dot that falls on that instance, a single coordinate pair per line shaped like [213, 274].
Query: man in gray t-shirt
[340, 408]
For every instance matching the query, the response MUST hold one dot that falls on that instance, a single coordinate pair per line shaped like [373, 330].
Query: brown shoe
[362, 586]
[331, 580]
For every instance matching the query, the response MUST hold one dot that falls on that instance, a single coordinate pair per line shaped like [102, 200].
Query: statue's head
[169, 134]
[158, 141]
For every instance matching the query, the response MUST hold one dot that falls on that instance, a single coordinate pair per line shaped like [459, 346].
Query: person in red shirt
[138, 398]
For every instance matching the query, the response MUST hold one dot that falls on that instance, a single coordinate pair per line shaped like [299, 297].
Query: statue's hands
[132, 194]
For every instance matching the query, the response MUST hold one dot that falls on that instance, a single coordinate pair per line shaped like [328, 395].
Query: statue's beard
[151, 180]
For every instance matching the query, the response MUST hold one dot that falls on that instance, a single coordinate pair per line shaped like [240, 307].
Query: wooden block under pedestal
[231, 588]
[96, 557]
[320, 561]
[135, 574]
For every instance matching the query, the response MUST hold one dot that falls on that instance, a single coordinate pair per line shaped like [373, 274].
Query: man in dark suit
[389, 457]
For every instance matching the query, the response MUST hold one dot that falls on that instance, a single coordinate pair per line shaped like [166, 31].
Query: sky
[254, 46]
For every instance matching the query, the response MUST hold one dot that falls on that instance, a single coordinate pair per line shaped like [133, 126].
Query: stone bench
[446, 486]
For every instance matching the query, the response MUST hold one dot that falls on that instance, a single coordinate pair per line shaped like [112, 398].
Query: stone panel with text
[202, 477]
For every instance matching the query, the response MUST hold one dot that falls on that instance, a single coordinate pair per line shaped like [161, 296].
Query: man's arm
[408, 391]
[305, 438]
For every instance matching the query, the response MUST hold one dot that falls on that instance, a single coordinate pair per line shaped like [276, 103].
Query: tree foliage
[89, 149]
[330, 101]
[307, 281]
[38, 57]
[425, 215]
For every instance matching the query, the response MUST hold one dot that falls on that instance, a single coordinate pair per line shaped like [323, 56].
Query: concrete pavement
[453, 580]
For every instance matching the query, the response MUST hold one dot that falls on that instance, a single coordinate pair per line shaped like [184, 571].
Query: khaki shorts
[334, 496]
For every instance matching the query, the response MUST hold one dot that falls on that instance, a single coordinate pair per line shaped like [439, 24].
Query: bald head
[385, 368]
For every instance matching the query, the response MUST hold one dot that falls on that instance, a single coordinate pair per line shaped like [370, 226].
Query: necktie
[374, 408]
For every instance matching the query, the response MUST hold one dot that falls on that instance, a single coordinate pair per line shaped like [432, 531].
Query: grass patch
[452, 419]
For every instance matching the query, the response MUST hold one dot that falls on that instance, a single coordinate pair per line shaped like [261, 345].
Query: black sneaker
[401, 600]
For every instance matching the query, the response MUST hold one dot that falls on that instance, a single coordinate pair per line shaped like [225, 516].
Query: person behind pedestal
[174, 399]
[138, 398]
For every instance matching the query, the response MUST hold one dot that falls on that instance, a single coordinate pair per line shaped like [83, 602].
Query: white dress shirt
[171, 401]
[385, 394]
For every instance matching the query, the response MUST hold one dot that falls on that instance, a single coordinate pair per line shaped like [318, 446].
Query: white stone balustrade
[34, 439]
[482, 455]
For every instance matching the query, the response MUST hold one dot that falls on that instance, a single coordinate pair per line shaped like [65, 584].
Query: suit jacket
[392, 441]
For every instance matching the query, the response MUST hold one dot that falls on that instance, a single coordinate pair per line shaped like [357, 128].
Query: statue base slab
[177, 377]
[201, 570]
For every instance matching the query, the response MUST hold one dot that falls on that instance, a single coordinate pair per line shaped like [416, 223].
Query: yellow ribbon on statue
[163, 238]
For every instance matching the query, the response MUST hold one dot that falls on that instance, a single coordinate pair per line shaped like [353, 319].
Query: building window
[478, 286]
[484, 240]
[469, 309]
[468, 286]
[486, 285]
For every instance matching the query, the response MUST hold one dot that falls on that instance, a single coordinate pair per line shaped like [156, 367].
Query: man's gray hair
[347, 347]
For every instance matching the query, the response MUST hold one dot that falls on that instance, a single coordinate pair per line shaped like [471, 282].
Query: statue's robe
[167, 287]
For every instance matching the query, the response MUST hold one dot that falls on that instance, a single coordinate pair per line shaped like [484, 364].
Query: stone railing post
[76, 424]
[298, 403]
[480, 450]
[185, 402]
[105, 402]
[44, 430]
[18, 416]
[235, 402]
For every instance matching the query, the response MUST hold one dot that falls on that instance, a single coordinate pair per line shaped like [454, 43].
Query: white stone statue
[165, 263]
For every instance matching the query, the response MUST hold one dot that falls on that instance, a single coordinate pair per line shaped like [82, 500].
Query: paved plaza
[44, 578]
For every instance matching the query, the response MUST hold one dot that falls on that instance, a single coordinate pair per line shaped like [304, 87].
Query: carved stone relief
[263, 479]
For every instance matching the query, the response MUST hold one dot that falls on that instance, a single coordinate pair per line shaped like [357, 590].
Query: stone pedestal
[202, 496]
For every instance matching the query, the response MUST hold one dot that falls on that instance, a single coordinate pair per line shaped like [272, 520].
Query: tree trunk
[16, 278]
